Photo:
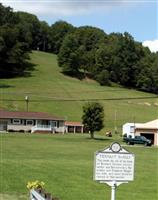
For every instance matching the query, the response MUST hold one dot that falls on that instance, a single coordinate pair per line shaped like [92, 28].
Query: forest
[81, 51]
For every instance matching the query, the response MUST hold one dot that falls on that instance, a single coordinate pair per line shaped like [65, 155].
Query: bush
[103, 78]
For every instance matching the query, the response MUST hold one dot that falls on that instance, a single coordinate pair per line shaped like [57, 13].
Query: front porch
[43, 128]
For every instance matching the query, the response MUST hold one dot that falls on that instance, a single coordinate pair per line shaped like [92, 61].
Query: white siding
[129, 129]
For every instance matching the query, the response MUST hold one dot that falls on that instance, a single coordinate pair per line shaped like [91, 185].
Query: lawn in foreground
[65, 164]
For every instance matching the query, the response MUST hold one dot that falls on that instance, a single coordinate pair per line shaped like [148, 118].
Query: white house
[36, 122]
[30, 122]
[129, 129]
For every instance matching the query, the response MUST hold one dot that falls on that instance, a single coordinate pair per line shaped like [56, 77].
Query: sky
[137, 17]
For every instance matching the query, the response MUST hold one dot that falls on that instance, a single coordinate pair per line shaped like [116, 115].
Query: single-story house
[148, 129]
[74, 127]
[31, 122]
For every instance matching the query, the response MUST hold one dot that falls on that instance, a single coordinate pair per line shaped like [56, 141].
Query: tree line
[109, 58]
[21, 32]
[83, 51]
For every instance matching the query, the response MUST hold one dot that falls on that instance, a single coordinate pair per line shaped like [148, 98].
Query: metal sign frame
[115, 149]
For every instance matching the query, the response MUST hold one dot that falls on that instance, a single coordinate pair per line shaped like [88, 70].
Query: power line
[99, 99]
[57, 98]
[72, 92]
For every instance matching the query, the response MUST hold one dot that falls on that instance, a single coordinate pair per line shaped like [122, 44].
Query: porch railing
[42, 128]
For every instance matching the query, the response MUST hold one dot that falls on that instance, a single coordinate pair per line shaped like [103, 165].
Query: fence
[40, 195]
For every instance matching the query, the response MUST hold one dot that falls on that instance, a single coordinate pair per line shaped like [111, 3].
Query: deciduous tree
[93, 116]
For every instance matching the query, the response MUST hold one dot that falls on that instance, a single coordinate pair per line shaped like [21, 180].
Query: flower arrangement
[38, 186]
[35, 185]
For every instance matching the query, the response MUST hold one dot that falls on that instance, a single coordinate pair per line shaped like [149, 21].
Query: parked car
[137, 140]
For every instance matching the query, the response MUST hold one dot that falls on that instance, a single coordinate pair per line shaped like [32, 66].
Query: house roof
[132, 124]
[27, 115]
[149, 125]
[70, 123]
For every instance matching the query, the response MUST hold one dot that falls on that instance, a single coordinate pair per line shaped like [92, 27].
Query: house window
[29, 122]
[16, 121]
[54, 123]
[132, 129]
[58, 124]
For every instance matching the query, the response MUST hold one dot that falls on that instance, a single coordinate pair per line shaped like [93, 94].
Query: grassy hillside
[48, 90]
[65, 164]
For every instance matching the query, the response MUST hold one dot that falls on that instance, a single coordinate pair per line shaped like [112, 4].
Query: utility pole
[115, 126]
[27, 103]
[134, 124]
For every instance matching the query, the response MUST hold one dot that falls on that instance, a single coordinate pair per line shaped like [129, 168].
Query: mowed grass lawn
[51, 91]
[65, 164]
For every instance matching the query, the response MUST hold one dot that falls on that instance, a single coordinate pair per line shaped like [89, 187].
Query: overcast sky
[138, 17]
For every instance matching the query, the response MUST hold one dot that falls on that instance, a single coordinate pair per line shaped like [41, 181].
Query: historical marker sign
[114, 164]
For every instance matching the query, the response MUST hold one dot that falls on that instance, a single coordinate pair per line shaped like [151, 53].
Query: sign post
[113, 188]
[114, 166]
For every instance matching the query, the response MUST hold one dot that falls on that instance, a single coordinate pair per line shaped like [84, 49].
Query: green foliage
[116, 58]
[44, 43]
[30, 29]
[122, 59]
[103, 78]
[154, 71]
[147, 79]
[79, 48]
[13, 49]
[7, 16]
[84, 51]
[68, 55]
[93, 117]
[13, 53]
[58, 32]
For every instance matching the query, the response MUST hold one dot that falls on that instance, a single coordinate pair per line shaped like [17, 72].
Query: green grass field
[65, 164]
[50, 88]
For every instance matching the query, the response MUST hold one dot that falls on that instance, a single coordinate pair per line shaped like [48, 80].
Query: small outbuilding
[74, 127]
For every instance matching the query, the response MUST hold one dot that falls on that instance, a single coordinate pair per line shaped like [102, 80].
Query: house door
[3, 125]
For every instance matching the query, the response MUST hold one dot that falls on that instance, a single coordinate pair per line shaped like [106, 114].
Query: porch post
[81, 129]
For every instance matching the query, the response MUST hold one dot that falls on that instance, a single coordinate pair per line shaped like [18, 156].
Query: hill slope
[51, 91]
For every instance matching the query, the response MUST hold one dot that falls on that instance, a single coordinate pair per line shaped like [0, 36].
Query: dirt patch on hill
[147, 104]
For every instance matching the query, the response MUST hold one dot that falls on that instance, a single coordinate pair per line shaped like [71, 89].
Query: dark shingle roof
[27, 115]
